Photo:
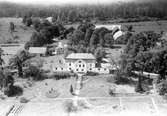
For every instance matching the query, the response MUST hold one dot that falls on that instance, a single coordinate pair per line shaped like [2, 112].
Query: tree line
[146, 52]
[72, 13]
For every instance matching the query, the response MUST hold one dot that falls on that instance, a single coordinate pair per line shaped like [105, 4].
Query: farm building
[118, 34]
[80, 62]
[84, 62]
[40, 51]
[109, 27]
[49, 19]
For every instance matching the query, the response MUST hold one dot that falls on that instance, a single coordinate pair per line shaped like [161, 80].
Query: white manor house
[78, 62]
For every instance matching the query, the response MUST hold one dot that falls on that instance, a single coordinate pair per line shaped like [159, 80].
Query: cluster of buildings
[79, 62]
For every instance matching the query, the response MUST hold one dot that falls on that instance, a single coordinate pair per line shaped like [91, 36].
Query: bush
[35, 73]
[112, 90]
[121, 78]
[24, 100]
[139, 88]
[28, 22]
[13, 91]
[62, 75]
[92, 74]
[69, 107]
[162, 87]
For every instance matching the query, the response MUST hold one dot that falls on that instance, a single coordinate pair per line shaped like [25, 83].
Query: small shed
[41, 51]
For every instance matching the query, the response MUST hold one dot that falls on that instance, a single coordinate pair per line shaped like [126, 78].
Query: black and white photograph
[83, 57]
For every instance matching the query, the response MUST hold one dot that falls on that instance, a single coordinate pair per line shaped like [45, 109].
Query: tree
[18, 61]
[35, 40]
[34, 72]
[76, 37]
[94, 40]
[99, 54]
[72, 16]
[102, 33]
[12, 27]
[37, 24]
[88, 36]
[108, 40]
[28, 21]
[136, 55]
[2, 77]
[1, 60]
[24, 19]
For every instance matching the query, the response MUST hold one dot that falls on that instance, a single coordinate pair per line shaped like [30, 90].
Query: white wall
[101, 70]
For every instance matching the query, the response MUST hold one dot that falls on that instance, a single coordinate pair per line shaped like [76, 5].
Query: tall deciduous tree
[18, 61]
[108, 40]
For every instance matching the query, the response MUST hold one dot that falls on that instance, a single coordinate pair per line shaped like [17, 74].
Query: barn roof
[37, 50]
[83, 56]
[109, 27]
[118, 34]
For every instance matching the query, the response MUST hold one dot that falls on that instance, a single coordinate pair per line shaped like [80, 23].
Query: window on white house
[99, 69]
[79, 61]
[61, 68]
[76, 69]
[79, 65]
[56, 68]
[83, 65]
[69, 64]
[90, 69]
[82, 69]
[105, 69]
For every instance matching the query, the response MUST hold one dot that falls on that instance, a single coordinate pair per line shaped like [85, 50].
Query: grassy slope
[22, 32]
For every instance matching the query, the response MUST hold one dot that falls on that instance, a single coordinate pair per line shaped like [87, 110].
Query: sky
[61, 2]
[50, 2]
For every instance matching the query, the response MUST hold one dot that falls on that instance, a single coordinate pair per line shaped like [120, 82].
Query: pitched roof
[37, 50]
[109, 27]
[118, 34]
[84, 56]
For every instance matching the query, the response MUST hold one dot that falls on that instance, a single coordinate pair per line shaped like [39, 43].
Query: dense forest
[132, 11]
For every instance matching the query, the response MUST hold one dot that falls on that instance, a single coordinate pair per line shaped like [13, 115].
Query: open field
[21, 34]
